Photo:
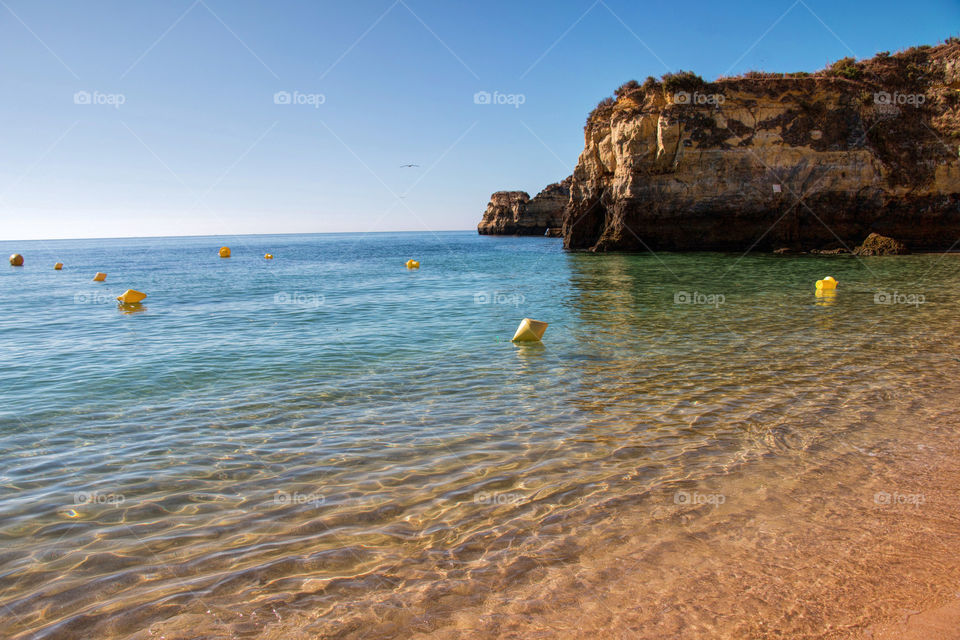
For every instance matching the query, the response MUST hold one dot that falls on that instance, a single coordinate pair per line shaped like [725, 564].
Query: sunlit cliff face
[767, 161]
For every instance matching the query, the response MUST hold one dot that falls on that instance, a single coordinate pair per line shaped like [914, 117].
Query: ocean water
[331, 445]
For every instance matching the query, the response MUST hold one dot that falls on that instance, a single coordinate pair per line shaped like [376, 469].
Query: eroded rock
[878, 245]
[515, 213]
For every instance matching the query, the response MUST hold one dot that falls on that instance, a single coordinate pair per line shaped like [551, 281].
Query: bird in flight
[408, 165]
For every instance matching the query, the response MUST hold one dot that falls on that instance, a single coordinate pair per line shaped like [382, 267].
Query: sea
[331, 445]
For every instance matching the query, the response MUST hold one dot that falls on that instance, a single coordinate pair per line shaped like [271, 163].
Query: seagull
[403, 166]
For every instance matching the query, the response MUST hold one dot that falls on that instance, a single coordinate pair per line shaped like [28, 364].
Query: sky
[129, 118]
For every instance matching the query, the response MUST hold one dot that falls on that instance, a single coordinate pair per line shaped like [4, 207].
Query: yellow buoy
[827, 283]
[58, 266]
[100, 277]
[413, 264]
[131, 296]
[268, 256]
[530, 331]
[224, 252]
[16, 260]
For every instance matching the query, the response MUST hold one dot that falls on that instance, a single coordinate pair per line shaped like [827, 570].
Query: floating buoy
[413, 264]
[268, 256]
[16, 260]
[58, 266]
[100, 277]
[530, 331]
[131, 296]
[224, 252]
[827, 283]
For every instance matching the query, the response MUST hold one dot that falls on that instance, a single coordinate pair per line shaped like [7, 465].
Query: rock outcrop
[878, 245]
[504, 213]
[806, 161]
[515, 213]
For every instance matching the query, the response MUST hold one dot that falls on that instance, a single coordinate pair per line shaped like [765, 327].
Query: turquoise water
[329, 440]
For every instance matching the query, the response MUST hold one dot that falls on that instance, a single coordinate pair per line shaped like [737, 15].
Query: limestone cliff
[514, 213]
[503, 214]
[775, 160]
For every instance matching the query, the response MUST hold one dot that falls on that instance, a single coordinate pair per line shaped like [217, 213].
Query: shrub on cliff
[682, 81]
[908, 70]
[845, 68]
[762, 75]
[651, 84]
[602, 111]
[626, 88]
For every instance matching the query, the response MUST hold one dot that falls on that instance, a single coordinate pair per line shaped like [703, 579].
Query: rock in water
[878, 245]
[836, 251]
[515, 213]
[503, 214]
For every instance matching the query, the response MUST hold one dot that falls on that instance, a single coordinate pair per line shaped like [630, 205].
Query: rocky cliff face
[514, 213]
[771, 160]
[504, 213]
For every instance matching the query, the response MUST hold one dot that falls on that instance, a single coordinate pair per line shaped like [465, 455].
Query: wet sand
[853, 540]
[862, 548]
[942, 623]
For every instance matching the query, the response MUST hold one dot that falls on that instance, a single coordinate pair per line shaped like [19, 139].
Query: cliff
[767, 161]
[515, 213]
[775, 160]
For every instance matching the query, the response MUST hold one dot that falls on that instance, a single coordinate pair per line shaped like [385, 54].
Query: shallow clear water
[328, 444]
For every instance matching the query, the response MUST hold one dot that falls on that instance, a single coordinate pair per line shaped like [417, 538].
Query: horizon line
[231, 235]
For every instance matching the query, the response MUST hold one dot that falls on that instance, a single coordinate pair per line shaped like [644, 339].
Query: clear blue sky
[199, 145]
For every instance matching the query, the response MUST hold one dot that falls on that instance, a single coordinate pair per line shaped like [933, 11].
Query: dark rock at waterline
[878, 245]
[836, 251]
